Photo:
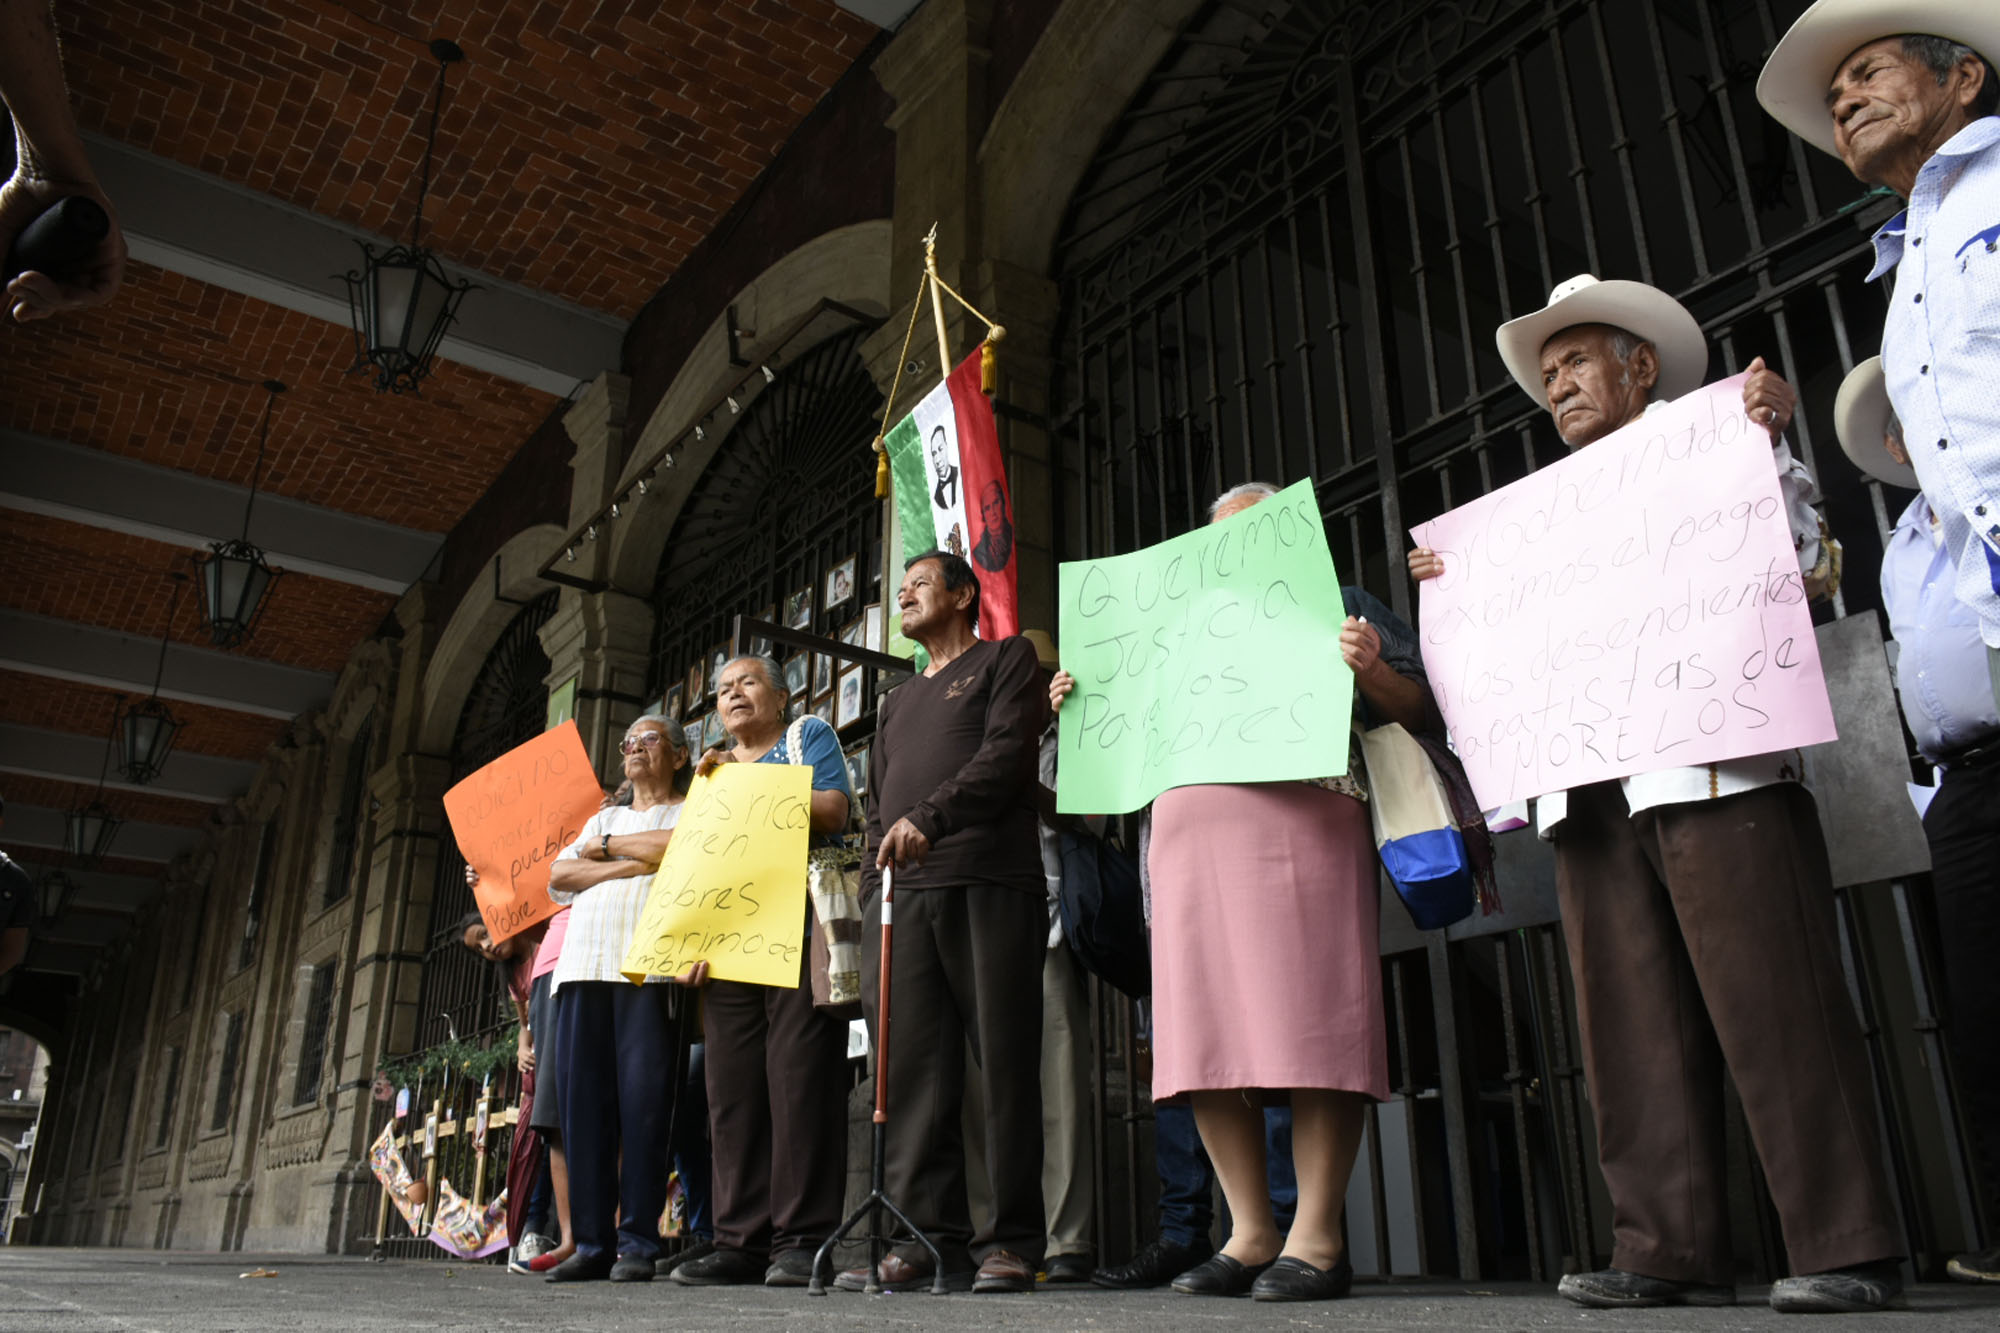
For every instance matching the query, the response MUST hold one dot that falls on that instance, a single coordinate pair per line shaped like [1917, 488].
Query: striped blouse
[603, 917]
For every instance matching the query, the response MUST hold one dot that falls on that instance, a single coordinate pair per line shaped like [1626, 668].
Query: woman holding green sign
[1267, 981]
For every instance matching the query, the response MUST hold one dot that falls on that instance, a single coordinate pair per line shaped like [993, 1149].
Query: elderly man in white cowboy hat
[1904, 92]
[1697, 904]
[1941, 677]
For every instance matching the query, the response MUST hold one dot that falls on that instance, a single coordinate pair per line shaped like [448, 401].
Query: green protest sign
[1211, 657]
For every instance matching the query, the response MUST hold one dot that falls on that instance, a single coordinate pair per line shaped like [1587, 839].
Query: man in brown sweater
[952, 777]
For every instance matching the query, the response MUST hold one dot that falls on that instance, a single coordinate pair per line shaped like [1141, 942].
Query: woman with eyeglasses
[618, 1041]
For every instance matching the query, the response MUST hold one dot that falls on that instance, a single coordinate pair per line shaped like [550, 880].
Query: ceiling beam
[39, 826]
[69, 756]
[74, 960]
[64, 650]
[223, 234]
[101, 892]
[103, 490]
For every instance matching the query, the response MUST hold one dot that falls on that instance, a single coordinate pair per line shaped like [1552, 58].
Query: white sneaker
[532, 1246]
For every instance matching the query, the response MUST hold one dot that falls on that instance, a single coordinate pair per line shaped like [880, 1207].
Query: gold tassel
[989, 369]
[881, 468]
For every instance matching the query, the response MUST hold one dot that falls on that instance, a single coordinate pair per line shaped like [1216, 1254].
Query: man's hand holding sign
[1635, 606]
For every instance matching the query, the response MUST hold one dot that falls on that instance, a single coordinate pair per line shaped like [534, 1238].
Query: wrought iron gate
[1288, 260]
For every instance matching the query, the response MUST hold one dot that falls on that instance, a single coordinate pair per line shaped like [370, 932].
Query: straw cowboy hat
[1644, 312]
[1801, 68]
[1045, 649]
[1861, 418]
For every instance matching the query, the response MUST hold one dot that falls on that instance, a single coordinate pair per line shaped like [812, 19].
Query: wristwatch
[604, 848]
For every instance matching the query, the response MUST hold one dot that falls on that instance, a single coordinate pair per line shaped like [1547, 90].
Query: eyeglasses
[652, 740]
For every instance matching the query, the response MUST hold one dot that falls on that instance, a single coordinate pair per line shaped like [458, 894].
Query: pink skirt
[1266, 949]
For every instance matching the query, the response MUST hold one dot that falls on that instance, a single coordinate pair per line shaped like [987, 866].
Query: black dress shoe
[1155, 1266]
[665, 1265]
[1296, 1280]
[791, 1268]
[1219, 1275]
[1065, 1268]
[632, 1268]
[1618, 1289]
[580, 1268]
[720, 1268]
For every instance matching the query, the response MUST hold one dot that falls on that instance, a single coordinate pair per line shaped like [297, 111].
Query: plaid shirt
[603, 917]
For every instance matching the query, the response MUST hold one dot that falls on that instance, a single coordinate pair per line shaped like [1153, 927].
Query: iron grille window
[312, 1042]
[225, 1074]
[170, 1087]
[347, 823]
[253, 906]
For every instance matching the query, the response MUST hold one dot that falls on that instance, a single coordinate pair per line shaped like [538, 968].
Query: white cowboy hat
[1644, 312]
[1861, 418]
[1802, 65]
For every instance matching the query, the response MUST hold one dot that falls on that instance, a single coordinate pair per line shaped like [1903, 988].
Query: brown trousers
[1702, 936]
[777, 1117]
[967, 968]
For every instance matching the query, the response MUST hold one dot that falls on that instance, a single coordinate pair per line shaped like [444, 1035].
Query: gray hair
[774, 675]
[666, 724]
[1261, 490]
[1941, 55]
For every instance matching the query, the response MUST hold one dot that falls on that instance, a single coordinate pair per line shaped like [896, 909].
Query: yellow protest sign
[732, 887]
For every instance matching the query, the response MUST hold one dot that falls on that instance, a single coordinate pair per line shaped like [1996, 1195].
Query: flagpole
[937, 301]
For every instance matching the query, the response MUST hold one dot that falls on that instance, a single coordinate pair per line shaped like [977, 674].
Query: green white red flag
[951, 491]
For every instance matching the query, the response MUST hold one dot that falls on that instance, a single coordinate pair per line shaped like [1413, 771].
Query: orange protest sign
[513, 816]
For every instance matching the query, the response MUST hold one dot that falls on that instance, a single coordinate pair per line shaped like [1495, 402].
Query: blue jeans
[690, 1146]
[1187, 1181]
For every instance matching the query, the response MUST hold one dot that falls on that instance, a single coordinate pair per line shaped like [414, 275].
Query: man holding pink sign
[1624, 634]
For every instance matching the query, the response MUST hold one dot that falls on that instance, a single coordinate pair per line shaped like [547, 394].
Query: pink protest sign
[1635, 606]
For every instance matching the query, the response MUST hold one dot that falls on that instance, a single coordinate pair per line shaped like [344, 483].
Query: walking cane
[878, 1200]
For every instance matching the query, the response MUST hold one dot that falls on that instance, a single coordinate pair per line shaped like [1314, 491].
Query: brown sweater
[955, 754]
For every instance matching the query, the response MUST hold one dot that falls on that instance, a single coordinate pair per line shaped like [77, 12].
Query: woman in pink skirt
[1267, 980]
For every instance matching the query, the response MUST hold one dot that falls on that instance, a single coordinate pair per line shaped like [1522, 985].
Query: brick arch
[488, 607]
[850, 265]
[1084, 69]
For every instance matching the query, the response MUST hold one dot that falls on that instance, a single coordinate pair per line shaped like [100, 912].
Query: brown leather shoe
[1004, 1271]
[900, 1274]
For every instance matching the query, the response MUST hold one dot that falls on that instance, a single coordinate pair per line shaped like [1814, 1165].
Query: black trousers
[619, 1048]
[967, 967]
[777, 1096]
[1963, 828]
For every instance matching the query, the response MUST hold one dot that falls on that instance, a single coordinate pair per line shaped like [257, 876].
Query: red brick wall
[66, 705]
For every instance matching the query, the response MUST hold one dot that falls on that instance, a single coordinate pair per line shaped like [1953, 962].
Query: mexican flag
[951, 493]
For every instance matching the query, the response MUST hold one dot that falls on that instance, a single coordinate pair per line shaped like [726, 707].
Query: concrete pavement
[144, 1291]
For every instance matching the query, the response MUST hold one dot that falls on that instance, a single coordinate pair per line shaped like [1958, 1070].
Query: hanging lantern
[89, 832]
[54, 892]
[146, 730]
[234, 573]
[402, 301]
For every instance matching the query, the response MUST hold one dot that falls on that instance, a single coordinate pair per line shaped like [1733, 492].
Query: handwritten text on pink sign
[1635, 606]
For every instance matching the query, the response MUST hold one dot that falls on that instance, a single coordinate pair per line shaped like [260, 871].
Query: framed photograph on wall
[799, 609]
[871, 627]
[822, 674]
[718, 658]
[854, 632]
[795, 708]
[857, 770]
[840, 583]
[712, 732]
[759, 645]
[823, 710]
[671, 705]
[849, 706]
[693, 684]
[798, 669]
[692, 732]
